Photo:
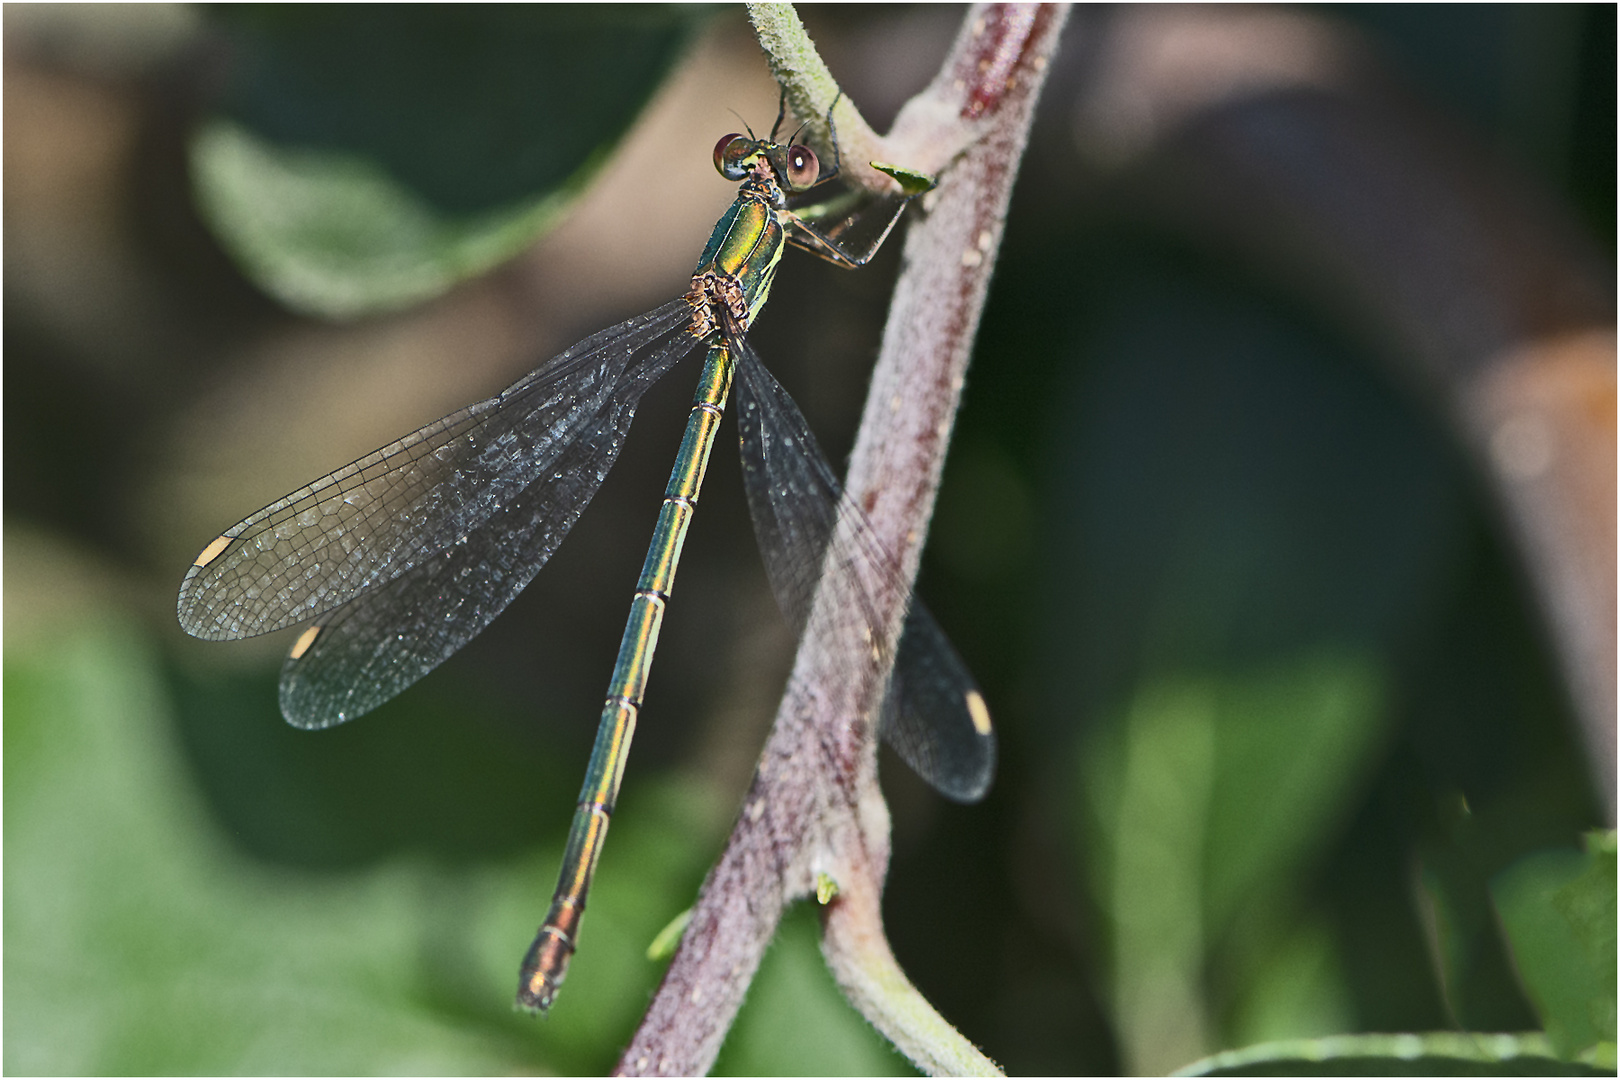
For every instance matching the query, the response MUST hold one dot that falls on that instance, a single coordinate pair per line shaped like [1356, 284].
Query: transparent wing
[396, 590]
[391, 635]
[934, 715]
[373, 520]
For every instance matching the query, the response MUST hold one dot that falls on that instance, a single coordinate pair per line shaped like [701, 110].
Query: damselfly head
[795, 166]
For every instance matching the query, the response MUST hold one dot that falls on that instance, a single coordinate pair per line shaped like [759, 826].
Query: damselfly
[398, 559]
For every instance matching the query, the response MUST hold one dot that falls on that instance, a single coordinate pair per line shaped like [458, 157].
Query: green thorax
[747, 241]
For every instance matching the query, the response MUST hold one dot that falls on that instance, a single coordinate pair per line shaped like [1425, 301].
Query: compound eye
[802, 167]
[728, 156]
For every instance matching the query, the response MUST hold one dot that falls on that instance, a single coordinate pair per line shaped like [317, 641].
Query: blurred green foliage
[1275, 708]
[364, 159]
[1558, 910]
[140, 938]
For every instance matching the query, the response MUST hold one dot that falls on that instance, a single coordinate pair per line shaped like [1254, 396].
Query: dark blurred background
[1274, 691]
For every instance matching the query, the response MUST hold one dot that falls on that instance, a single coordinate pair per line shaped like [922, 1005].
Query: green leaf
[142, 939]
[1558, 911]
[368, 158]
[332, 234]
[139, 942]
[911, 181]
[1292, 744]
[1209, 794]
[1444, 1053]
[1464, 850]
[669, 938]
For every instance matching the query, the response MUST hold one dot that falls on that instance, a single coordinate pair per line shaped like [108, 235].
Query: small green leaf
[911, 181]
[1558, 911]
[826, 889]
[663, 946]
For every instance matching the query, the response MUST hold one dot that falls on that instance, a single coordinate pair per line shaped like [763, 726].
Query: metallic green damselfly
[398, 559]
